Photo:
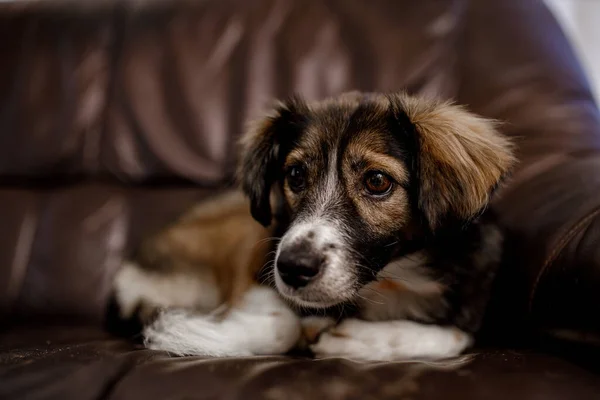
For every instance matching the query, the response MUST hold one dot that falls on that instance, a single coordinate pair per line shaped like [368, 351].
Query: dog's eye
[296, 178]
[377, 183]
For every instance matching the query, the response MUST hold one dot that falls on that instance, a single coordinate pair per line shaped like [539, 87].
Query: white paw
[261, 325]
[390, 340]
[135, 287]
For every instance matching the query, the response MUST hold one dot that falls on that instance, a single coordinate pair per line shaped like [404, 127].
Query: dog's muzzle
[311, 265]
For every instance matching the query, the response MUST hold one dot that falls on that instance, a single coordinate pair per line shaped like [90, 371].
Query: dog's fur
[193, 285]
[416, 261]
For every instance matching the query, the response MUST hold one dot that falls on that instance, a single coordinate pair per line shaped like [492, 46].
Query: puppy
[385, 196]
[380, 201]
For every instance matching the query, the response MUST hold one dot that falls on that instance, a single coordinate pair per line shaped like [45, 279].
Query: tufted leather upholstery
[115, 116]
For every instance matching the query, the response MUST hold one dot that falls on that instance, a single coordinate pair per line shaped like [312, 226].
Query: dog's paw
[262, 324]
[144, 292]
[390, 340]
[184, 333]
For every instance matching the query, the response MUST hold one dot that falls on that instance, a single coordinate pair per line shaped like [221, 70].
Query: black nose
[297, 268]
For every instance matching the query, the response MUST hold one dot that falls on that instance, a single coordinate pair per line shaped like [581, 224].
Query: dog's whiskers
[368, 300]
[267, 239]
[375, 291]
[271, 253]
[392, 276]
[269, 277]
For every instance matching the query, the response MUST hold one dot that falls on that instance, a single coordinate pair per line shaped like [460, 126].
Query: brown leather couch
[117, 115]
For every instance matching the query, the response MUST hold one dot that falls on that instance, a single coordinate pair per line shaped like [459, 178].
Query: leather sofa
[115, 116]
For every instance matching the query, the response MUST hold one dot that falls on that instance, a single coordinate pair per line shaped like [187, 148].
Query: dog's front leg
[260, 324]
[390, 341]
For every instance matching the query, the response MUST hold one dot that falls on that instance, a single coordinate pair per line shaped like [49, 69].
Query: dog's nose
[297, 269]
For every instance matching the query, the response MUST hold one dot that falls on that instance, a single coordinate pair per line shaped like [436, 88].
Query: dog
[381, 201]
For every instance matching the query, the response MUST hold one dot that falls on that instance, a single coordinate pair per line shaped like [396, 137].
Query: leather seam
[115, 50]
[558, 250]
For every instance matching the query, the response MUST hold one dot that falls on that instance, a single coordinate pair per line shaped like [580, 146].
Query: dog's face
[361, 178]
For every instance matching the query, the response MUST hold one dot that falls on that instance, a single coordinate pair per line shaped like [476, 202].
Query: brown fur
[462, 157]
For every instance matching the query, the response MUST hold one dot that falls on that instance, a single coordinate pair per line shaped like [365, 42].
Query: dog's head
[361, 176]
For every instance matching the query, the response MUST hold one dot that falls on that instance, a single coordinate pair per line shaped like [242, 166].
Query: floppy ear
[461, 157]
[263, 148]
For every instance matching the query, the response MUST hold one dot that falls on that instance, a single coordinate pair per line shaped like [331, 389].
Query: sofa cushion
[86, 363]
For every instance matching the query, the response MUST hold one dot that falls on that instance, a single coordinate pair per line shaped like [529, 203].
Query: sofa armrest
[566, 289]
[518, 67]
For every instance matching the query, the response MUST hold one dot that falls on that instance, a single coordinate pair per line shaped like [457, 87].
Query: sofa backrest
[116, 116]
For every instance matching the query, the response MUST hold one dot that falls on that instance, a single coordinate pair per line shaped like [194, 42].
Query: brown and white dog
[382, 204]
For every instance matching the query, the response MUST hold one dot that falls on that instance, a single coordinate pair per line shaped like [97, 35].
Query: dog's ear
[461, 157]
[263, 149]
